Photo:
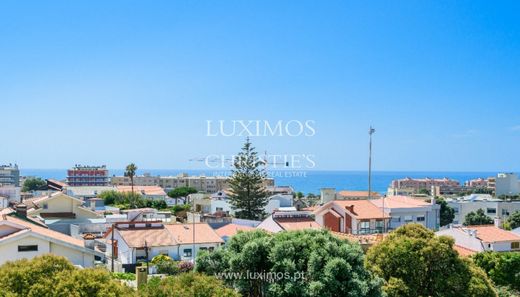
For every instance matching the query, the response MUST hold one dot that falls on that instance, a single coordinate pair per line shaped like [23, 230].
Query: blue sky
[113, 82]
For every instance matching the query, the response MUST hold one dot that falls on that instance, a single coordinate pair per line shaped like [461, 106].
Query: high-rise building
[9, 175]
[81, 175]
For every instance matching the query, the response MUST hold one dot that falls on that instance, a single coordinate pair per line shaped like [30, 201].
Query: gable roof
[400, 202]
[362, 209]
[232, 229]
[490, 233]
[169, 235]
[45, 232]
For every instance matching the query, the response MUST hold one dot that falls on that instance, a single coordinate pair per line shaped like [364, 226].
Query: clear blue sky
[113, 82]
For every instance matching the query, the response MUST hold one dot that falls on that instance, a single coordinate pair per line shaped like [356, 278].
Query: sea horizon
[306, 181]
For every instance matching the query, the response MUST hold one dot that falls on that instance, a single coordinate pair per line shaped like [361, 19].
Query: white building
[141, 241]
[492, 207]
[20, 238]
[11, 192]
[483, 238]
[507, 184]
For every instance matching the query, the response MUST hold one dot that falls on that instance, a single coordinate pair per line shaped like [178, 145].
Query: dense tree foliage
[477, 218]
[514, 220]
[186, 285]
[128, 200]
[248, 194]
[416, 263]
[447, 214]
[181, 192]
[34, 184]
[50, 275]
[502, 268]
[296, 263]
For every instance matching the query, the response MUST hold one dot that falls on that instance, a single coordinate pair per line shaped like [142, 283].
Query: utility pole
[370, 132]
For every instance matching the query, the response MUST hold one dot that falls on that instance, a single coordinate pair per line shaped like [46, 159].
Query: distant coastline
[305, 181]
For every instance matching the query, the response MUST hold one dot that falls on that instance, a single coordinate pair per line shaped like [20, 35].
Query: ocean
[304, 181]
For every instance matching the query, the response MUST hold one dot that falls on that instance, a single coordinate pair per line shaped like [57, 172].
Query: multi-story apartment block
[492, 207]
[9, 175]
[477, 183]
[206, 184]
[507, 184]
[87, 176]
[417, 184]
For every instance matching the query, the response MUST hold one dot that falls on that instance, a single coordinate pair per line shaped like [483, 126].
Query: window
[408, 219]
[28, 248]
[211, 249]
[396, 219]
[203, 248]
[379, 226]
[515, 245]
[421, 219]
[491, 210]
[505, 212]
[45, 206]
[220, 209]
[364, 227]
[187, 253]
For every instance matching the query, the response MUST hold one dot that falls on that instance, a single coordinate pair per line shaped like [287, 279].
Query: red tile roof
[362, 209]
[400, 202]
[232, 229]
[463, 252]
[490, 233]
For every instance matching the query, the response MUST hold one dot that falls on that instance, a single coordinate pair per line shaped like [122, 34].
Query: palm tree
[130, 172]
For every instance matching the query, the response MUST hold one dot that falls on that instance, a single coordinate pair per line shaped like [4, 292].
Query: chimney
[498, 222]
[350, 208]
[21, 210]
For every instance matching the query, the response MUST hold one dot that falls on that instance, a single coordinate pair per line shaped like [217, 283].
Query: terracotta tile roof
[400, 202]
[348, 194]
[289, 225]
[490, 233]
[463, 252]
[144, 190]
[135, 238]
[232, 229]
[183, 233]
[363, 209]
[42, 230]
[169, 235]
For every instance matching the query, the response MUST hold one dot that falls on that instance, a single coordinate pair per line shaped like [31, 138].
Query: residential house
[483, 238]
[377, 215]
[59, 205]
[141, 241]
[22, 237]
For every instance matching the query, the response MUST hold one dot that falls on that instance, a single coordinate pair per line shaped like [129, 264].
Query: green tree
[125, 200]
[299, 195]
[248, 193]
[300, 263]
[502, 268]
[50, 275]
[514, 220]
[186, 285]
[34, 184]
[447, 214]
[424, 191]
[477, 218]
[416, 263]
[181, 192]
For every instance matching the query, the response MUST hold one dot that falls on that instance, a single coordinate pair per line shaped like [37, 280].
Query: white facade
[11, 192]
[507, 184]
[493, 208]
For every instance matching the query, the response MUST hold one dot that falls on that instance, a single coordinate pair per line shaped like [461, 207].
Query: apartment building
[205, 184]
[87, 176]
[507, 184]
[492, 207]
[416, 184]
[9, 175]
